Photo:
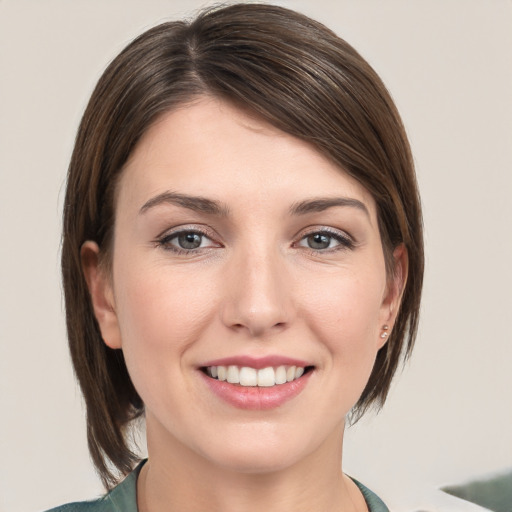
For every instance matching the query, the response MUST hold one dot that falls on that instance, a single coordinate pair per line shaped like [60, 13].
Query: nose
[257, 294]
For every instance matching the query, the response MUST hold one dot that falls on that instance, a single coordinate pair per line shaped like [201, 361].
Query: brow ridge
[321, 204]
[196, 203]
[212, 207]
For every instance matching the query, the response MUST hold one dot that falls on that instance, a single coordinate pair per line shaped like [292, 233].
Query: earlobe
[101, 292]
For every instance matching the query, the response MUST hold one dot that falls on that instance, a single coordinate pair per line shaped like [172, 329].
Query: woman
[242, 263]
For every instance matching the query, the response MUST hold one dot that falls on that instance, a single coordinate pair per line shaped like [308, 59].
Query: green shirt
[123, 498]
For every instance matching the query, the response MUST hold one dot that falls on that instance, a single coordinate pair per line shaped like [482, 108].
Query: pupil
[189, 240]
[318, 241]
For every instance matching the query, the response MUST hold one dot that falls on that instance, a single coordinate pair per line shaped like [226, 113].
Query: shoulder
[122, 498]
[374, 503]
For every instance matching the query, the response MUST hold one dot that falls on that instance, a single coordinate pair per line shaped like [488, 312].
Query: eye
[189, 240]
[185, 241]
[326, 240]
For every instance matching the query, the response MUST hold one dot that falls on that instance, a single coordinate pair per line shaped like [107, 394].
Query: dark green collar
[123, 498]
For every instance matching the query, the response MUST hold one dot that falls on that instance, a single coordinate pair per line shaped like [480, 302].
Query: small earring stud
[384, 335]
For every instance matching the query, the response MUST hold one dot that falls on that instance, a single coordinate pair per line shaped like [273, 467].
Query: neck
[175, 478]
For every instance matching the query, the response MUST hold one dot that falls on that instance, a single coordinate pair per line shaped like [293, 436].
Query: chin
[258, 452]
[254, 463]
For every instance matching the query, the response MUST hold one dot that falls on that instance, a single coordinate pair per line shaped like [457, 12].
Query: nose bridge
[258, 297]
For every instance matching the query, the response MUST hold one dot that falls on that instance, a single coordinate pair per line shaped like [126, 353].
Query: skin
[255, 288]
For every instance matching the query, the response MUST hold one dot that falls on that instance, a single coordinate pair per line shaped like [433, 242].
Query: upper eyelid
[325, 229]
[169, 232]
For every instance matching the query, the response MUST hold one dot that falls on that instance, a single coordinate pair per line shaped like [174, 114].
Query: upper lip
[256, 362]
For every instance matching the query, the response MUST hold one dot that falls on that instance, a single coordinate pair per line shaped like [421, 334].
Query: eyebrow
[195, 203]
[321, 204]
[212, 207]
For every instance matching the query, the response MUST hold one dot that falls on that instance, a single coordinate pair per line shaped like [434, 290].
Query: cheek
[344, 312]
[161, 313]
[346, 303]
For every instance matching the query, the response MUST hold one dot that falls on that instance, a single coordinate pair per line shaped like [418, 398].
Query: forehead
[214, 149]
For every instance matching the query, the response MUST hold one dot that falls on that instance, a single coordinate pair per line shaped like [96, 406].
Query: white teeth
[221, 372]
[280, 375]
[233, 375]
[250, 377]
[266, 377]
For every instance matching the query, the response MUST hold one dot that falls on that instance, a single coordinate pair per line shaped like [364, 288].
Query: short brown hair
[285, 68]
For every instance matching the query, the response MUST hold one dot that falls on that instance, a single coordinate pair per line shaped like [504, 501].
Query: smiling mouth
[251, 377]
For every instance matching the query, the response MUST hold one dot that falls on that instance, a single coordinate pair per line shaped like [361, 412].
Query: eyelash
[344, 241]
[165, 241]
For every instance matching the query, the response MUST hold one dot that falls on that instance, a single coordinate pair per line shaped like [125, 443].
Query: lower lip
[256, 398]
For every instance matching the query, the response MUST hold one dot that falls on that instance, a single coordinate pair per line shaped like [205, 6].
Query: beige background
[448, 65]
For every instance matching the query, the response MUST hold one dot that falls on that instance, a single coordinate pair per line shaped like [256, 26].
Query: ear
[102, 295]
[394, 292]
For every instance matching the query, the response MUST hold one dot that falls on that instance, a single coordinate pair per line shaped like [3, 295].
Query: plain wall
[447, 63]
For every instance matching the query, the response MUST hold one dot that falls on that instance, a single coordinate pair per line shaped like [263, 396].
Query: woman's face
[241, 252]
